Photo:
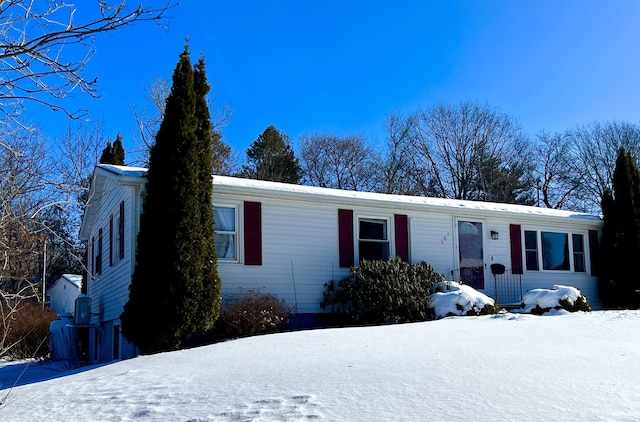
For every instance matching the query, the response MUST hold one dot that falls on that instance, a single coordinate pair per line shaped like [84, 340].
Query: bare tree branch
[44, 48]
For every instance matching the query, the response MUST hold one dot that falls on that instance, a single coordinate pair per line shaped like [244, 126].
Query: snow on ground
[581, 366]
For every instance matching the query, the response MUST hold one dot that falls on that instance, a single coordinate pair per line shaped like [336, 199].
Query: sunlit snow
[581, 366]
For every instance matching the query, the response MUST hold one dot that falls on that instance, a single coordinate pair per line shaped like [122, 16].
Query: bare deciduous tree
[148, 119]
[337, 162]
[395, 172]
[45, 47]
[558, 175]
[595, 148]
[471, 151]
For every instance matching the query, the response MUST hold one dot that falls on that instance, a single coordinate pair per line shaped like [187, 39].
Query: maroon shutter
[515, 235]
[92, 270]
[110, 240]
[345, 238]
[121, 231]
[594, 252]
[402, 236]
[252, 233]
[99, 256]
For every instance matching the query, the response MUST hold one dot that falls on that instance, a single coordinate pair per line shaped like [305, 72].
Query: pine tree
[118, 151]
[621, 235]
[113, 154]
[174, 290]
[210, 295]
[610, 264]
[107, 154]
[271, 157]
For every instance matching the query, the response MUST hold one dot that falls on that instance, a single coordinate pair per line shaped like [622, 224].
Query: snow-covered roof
[74, 279]
[272, 189]
[230, 185]
[125, 174]
[124, 170]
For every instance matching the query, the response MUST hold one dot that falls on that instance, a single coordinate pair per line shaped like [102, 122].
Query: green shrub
[383, 292]
[581, 304]
[26, 331]
[254, 313]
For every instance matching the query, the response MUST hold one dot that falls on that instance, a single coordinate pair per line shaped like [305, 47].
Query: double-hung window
[373, 239]
[554, 251]
[226, 232]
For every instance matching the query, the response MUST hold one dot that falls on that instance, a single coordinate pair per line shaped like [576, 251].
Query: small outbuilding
[62, 295]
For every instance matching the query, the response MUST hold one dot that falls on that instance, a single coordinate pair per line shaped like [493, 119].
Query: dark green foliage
[382, 292]
[118, 151]
[475, 311]
[621, 236]
[113, 154]
[271, 157]
[174, 292]
[254, 314]
[581, 304]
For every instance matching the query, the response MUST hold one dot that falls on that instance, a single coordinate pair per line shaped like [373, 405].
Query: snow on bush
[559, 298]
[453, 299]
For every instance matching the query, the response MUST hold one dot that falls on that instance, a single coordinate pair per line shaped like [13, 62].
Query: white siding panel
[300, 254]
[431, 241]
[110, 290]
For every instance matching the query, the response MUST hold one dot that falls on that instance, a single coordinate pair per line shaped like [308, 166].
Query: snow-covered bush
[382, 292]
[541, 301]
[452, 299]
[253, 313]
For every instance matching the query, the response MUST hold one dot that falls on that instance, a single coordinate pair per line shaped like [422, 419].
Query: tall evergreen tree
[209, 297]
[107, 154]
[621, 235]
[271, 157]
[113, 154]
[118, 151]
[174, 290]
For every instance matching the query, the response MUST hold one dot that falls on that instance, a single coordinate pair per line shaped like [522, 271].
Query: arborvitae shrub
[383, 292]
[28, 328]
[254, 314]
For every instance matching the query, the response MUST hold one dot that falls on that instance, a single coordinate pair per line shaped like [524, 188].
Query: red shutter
[515, 235]
[402, 236]
[345, 238]
[252, 233]
[92, 270]
[121, 231]
[594, 252]
[99, 256]
[110, 240]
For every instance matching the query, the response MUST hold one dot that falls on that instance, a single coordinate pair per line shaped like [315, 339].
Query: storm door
[471, 253]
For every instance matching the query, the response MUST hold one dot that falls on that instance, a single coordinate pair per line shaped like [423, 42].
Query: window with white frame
[554, 251]
[226, 234]
[579, 262]
[373, 239]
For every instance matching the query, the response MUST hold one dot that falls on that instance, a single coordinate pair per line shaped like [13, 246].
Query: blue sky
[341, 67]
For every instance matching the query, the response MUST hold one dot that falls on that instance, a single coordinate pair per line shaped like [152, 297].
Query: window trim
[390, 240]
[99, 256]
[111, 240]
[239, 246]
[539, 252]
